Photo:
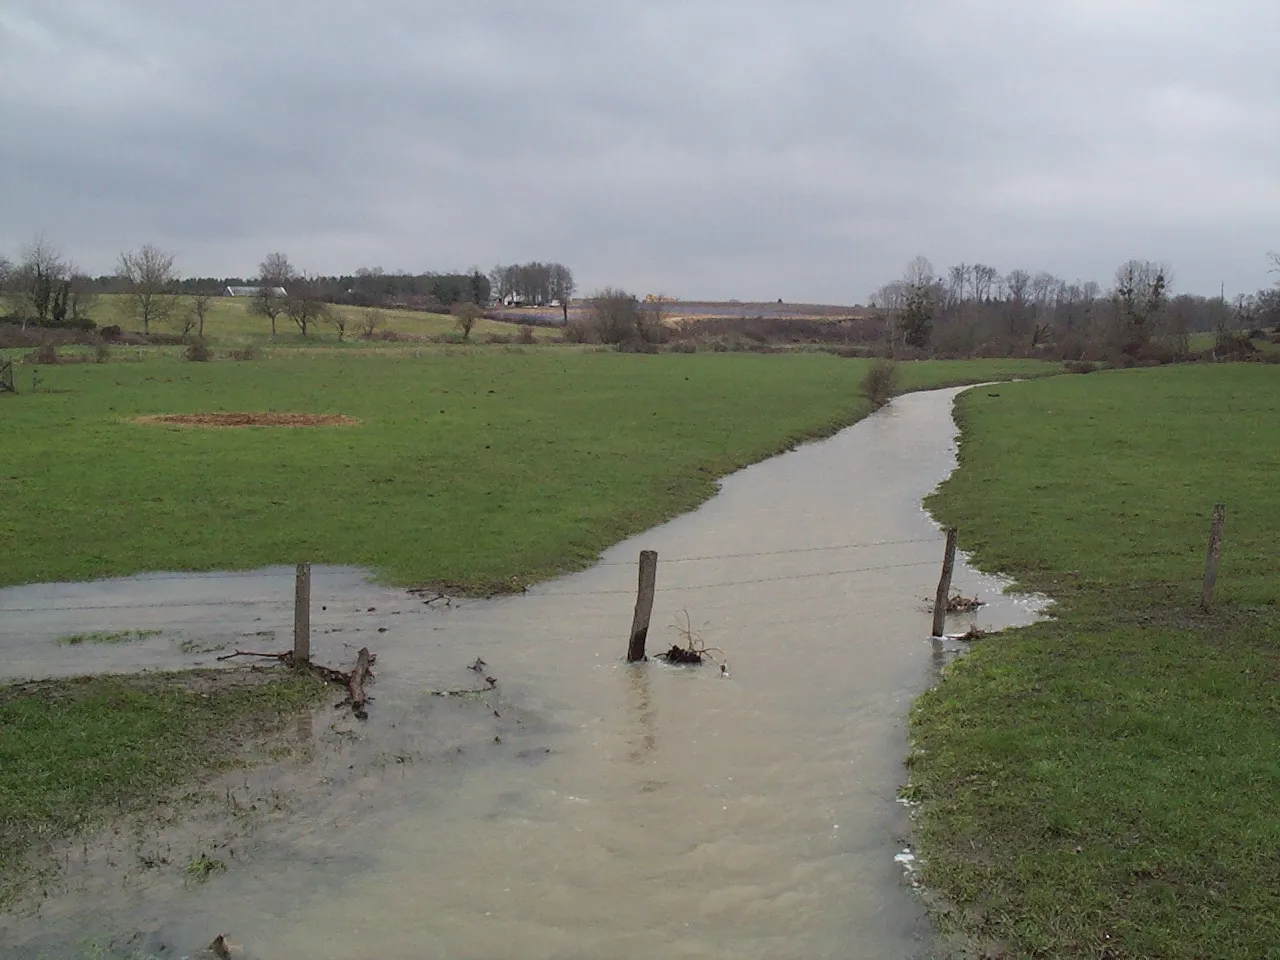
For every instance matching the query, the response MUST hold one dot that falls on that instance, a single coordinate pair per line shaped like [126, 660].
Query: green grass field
[1105, 785]
[481, 471]
[73, 752]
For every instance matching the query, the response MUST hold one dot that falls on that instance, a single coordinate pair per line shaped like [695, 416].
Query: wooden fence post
[1215, 554]
[944, 584]
[644, 605]
[302, 614]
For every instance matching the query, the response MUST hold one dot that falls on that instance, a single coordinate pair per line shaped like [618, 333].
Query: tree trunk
[564, 305]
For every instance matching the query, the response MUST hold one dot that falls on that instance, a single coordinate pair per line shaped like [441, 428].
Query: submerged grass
[477, 471]
[103, 636]
[1104, 785]
[75, 751]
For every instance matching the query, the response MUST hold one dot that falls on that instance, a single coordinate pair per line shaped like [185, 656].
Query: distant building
[253, 292]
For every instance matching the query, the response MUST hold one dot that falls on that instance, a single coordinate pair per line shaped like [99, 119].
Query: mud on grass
[1104, 784]
[74, 753]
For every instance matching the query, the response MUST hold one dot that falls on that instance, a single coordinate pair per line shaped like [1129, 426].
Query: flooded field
[584, 808]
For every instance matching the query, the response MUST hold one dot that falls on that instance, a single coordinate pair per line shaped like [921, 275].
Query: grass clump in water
[75, 752]
[102, 636]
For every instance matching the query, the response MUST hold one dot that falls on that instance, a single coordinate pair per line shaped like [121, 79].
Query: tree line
[45, 288]
[533, 284]
[974, 309]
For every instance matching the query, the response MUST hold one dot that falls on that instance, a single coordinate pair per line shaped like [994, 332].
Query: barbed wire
[269, 602]
[776, 553]
[746, 583]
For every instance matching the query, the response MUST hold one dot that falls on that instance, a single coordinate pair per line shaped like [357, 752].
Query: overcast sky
[803, 149]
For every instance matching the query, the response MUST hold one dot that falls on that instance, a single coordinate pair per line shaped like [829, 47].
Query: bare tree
[339, 319]
[275, 274]
[82, 296]
[303, 305]
[653, 317]
[959, 279]
[615, 317]
[35, 280]
[466, 314]
[150, 278]
[201, 304]
[1018, 285]
[1140, 292]
[985, 281]
[562, 287]
[370, 321]
[920, 303]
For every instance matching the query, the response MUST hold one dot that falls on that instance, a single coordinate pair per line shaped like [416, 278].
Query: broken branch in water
[353, 681]
[286, 658]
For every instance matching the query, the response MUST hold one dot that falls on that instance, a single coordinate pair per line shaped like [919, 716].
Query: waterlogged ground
[584, 807]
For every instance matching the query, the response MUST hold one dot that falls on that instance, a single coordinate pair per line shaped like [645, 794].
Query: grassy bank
[233, 320]
[480, 470]
[73, 752]
[1105, 785]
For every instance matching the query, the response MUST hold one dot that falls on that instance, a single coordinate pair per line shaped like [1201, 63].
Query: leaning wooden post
[644, 605]
[302, 614]
[1215, 554]
[944, 584]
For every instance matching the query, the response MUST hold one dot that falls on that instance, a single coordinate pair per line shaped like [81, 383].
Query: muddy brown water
[585, 808]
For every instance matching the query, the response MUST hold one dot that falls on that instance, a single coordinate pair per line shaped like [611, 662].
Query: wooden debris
[962, 604]
[678, 654]
[974, 634]
[355, 683]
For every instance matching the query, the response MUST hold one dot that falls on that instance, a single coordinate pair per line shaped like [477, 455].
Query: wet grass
[1104, 785]
[75, 752]
[102, 636]
[481, 471]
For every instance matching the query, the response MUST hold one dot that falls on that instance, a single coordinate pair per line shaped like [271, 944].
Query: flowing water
[585, 808]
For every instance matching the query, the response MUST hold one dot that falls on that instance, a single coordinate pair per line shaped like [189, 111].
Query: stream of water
[585, 808]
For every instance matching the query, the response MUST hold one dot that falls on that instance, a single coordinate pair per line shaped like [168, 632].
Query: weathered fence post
[944, 584]
[302, 614]
[1215, 554]
[644, 605]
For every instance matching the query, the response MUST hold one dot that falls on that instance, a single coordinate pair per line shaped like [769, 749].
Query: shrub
[245, 353]
[881, 383]
[102, 353]
[682, 346]
[498, 338]
[199, 352]
[1080, 366]
[111, 333]
[636, 346]
[526, 333]
[46, 353]
[578, 331]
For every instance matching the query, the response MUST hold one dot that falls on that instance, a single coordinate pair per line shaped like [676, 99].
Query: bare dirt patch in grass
[251, 419]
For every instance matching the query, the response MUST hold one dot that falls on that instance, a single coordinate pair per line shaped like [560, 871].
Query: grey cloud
[755, 148]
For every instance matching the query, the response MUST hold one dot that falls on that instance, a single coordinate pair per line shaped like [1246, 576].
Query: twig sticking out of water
[695, 649]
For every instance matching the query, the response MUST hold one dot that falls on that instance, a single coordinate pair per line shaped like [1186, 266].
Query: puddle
[586, 808]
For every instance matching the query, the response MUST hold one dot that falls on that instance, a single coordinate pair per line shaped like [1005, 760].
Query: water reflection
[643, 725]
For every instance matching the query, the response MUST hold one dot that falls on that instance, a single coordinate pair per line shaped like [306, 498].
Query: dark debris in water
[678, 654]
